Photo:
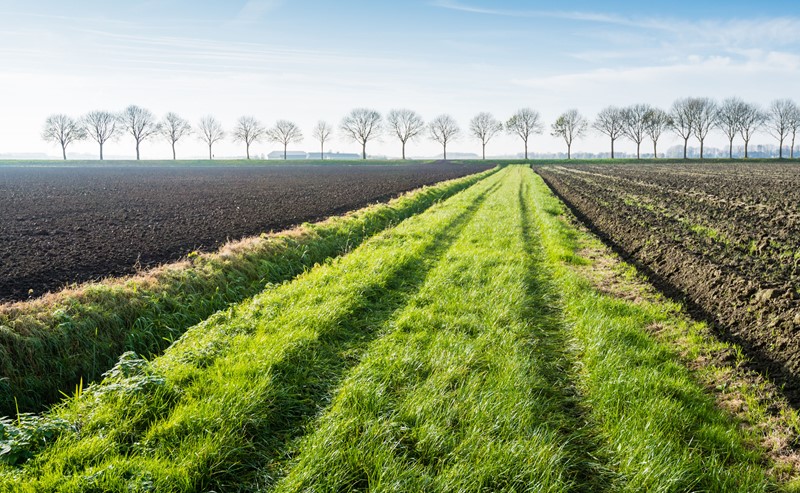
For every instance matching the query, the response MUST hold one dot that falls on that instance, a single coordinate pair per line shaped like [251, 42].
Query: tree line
[688, 118]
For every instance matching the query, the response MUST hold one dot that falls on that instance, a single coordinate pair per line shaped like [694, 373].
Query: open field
[472, 347]
[725, 237]
[50, 345]
[60, 225]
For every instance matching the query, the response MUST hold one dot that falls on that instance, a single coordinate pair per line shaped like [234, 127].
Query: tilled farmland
[61, 225]
[466, 348]
[724, 237]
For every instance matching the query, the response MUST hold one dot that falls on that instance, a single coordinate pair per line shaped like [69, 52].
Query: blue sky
[310, 60]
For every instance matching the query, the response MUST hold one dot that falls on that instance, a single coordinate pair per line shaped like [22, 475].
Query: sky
[310, 60]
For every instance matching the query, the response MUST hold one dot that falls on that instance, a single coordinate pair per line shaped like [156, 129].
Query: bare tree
[611, 122]
[794, 127]
[362, 125]
[657, 121]
[484, 126]
[753, 118]
[211, 132]
[285, 132]
[525, 122]
[63, 130]
[101, 126]
[682, 118]
[173, 129]
[248, 130]
[140, 123]
[704, 114]
[406, 125]
[322, 132]
[782, 114]
[444, 129]
[729, 120]
[635, 124]
[569, 126]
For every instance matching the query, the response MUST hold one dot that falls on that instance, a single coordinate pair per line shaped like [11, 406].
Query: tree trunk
[701, 149]
[444, 151]
[322, 151]
[791, 151]
[285, 145]
[404, 149]
[638, 153]
[655, 149]
[685, 147]
[612, 148]
[745, 148]
[64, 151]
[174, 156]
[730, 149]
[569, 151]
[364, 150]
[484, 150]
[210, 156]
[101, 151]
[526, 150]
[137, 151]
[780, 150]
[248, 150]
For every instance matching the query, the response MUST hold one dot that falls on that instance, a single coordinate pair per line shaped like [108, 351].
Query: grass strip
[50, 345]
[467, 390]
[660, 431]
[213, 412]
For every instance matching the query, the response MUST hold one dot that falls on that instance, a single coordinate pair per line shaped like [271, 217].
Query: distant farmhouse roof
[289, 155]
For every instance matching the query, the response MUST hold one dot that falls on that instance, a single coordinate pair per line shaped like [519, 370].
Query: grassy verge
[216, 409]
[50, 345]
[467, 389]
[660, 430]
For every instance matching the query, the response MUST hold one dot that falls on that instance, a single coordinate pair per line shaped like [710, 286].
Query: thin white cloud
[253, 11]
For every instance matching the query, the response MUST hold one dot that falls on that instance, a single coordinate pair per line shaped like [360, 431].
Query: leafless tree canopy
[210, 132]
[101, 126]
[173, 129]
[682, 117]
[322, 132]
[524, 123]
[703, 116]
[782, 122]
[362, 125]
[444, 129]
[406, 125]
[63, 130]
[248, 130]
[729, 119]
[657, 121]
[483, 127]
[140, 123]
[285, 132]
[752, 119]
[571, 125]
[635, 124]
[611, 122]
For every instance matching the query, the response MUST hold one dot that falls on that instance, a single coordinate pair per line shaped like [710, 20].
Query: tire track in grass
[659, 432]
[466, 391]
[216, 408]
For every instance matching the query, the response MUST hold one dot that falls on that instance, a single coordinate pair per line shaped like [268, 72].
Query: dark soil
[723, 239]
[62, 225]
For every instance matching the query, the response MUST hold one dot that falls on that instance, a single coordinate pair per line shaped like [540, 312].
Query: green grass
[49, 346]
[660, 430]
[467, 389]
[462, 350]
[215, 409]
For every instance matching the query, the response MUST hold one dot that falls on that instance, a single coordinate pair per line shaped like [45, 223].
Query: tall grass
[216, 409]
[49, 345]
[467, 391]
[659, 430]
